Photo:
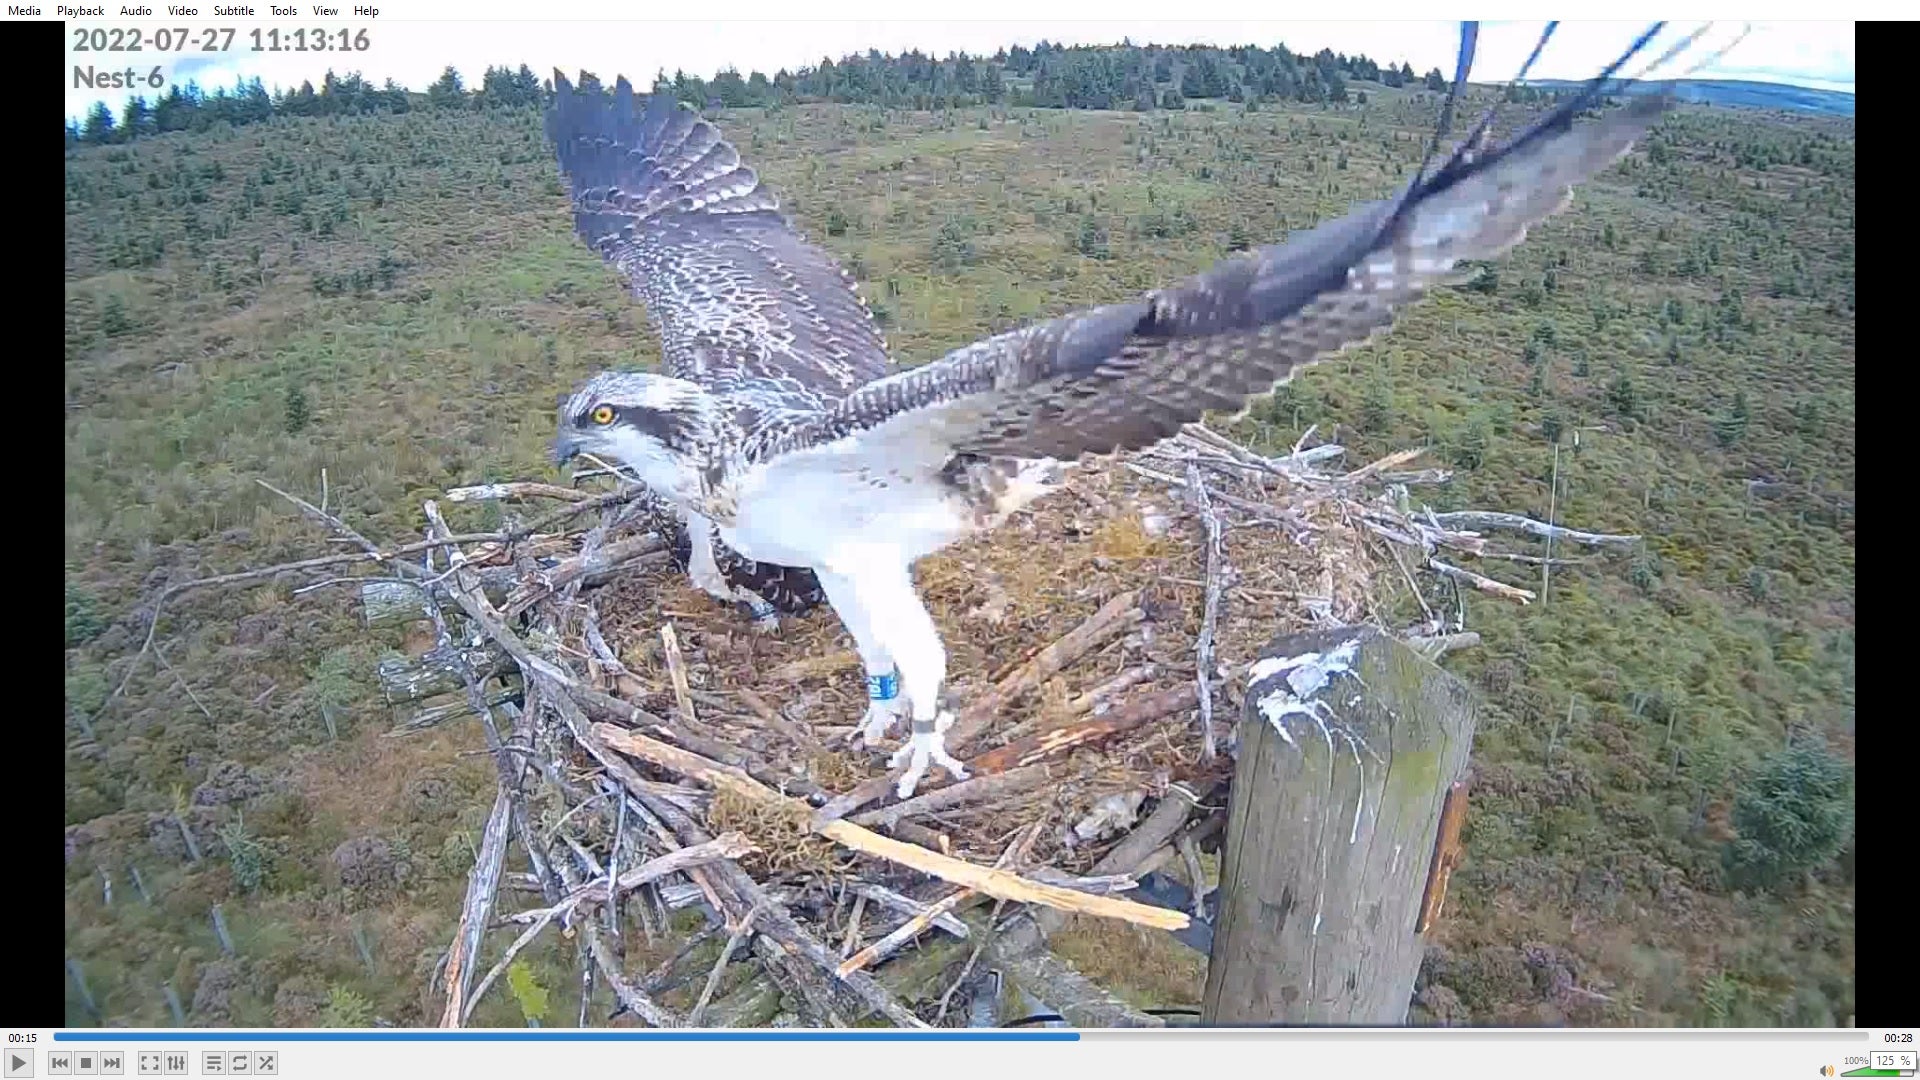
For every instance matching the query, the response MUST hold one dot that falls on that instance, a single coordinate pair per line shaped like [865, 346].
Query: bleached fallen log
[519, 489]
[1415, 477]
[1311, 455]
[1434, 646]
[427, 717]
[1490, 519]
[438, 671]
[483, 884]
[1480, 581]
[387, 603]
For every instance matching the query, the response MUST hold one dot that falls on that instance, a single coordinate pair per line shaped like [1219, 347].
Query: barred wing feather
[745, 306]
[1127, 375]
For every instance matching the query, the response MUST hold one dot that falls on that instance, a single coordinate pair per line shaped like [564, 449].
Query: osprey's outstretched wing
[1127, 375]
[743, 303]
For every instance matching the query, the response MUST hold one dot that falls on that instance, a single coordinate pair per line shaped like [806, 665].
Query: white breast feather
[822, 507]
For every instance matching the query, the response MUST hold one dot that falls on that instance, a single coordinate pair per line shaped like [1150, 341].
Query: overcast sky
[1815, 54]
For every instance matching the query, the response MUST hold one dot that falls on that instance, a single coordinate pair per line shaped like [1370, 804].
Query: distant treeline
[1047, 76]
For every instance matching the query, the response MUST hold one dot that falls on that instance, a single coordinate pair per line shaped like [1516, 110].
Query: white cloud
[1819, 54]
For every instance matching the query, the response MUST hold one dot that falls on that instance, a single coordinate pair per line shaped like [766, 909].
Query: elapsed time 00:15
[219, 39]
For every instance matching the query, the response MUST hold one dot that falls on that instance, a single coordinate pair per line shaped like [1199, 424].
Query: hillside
[397, 299]
[1739, 93]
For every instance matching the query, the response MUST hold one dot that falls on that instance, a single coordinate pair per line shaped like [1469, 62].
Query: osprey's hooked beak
[565, 448]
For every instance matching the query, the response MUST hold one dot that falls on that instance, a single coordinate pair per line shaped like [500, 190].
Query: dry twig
[677, 673]
[1203, 646]
[992, 882]
[740, 933]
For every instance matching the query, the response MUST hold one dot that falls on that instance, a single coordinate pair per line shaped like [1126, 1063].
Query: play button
[19, 1063]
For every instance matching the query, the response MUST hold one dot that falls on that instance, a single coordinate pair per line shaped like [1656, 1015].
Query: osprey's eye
[602, 414]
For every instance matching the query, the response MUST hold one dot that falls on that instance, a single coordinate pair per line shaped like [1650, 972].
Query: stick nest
[1077, 637]
[999, 599]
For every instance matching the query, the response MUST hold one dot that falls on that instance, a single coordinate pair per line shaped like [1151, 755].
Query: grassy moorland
[1662, 765]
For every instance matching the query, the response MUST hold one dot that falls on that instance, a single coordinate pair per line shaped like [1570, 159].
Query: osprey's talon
[927, 746]
[885, 707]
[711, 582]
[766, 618]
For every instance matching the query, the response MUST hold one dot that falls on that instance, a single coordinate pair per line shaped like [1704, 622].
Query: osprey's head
[652, 424]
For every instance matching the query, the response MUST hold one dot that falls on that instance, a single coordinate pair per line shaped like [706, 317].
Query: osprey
[778, 420]
[767, 590]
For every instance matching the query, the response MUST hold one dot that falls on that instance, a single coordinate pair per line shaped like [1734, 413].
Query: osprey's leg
[701, 565]
[884, 590]
[766, 617]
[704, 569]
[885, 703]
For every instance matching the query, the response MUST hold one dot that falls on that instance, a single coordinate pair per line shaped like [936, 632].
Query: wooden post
[1351, 746]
